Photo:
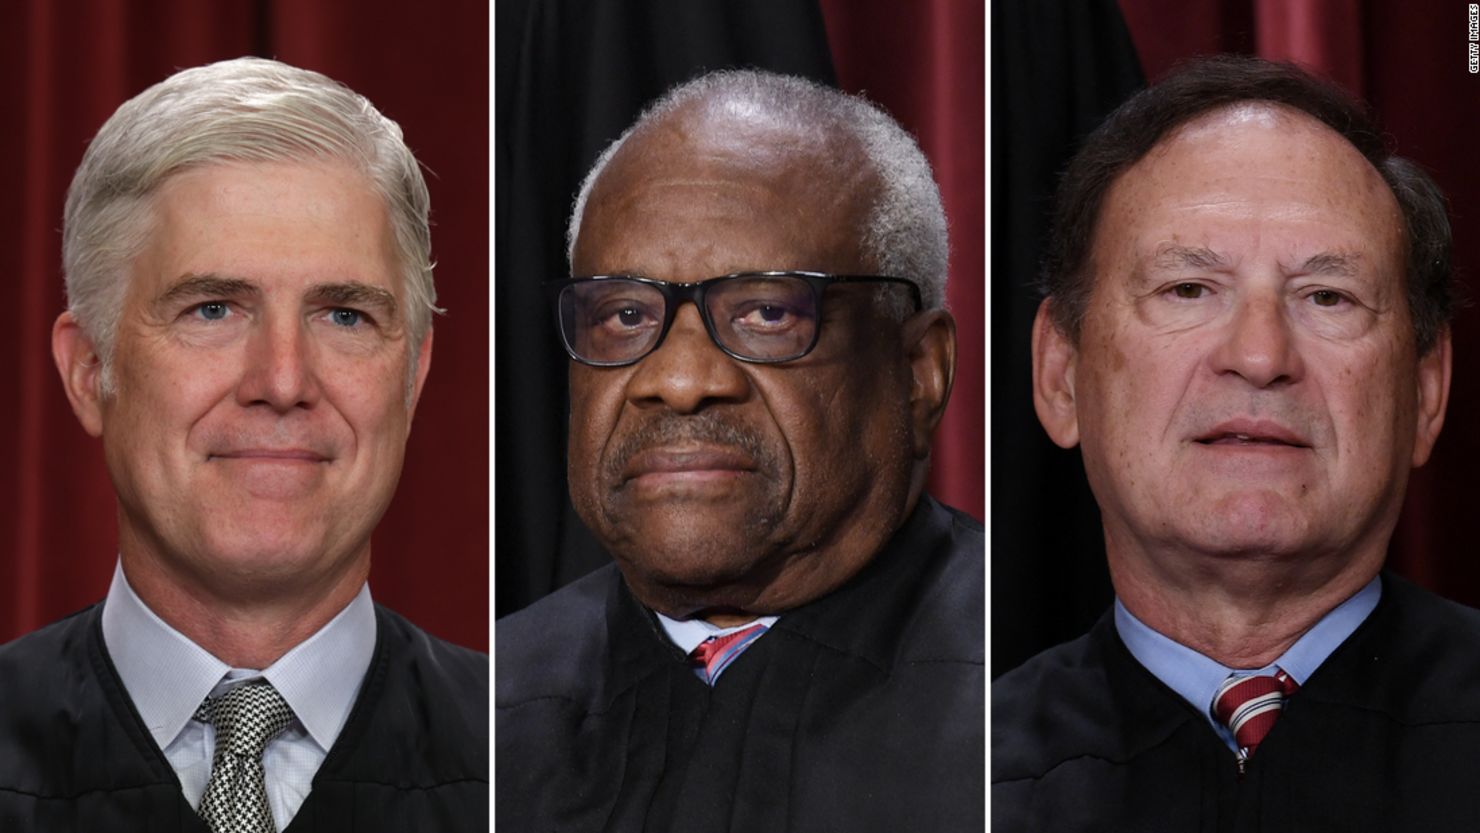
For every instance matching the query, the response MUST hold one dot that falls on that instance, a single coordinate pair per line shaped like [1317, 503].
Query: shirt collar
[320, 677]
[167, 675]
[1196, 677]
[688, 633]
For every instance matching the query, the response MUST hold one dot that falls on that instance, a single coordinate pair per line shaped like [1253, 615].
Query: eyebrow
[192, 285]
[1188, 257]
[354, 293]
[1343, 264]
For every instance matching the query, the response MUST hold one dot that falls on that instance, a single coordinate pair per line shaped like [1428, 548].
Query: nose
[279, 370]
[1259, 344]
[688, 371]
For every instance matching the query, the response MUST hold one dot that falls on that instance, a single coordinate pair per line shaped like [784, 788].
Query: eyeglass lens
[765, 318]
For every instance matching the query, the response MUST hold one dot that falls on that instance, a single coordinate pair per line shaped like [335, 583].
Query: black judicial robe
[75, 756]
[861, 711]
[1385, 735]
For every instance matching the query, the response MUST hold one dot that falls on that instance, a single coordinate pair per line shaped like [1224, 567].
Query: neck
[729, 620]
[1243, 612]
[244, 627]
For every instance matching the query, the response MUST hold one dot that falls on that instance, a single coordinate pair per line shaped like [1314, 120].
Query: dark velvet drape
[570, 76]
[68, 65]
[1058, 68]
[1408, 61]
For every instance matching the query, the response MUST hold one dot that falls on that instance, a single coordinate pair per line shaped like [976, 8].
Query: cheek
[1372, 401]
[370, 396]
[1132, 391]
[158, 394]
[842, 429]
[595, 405]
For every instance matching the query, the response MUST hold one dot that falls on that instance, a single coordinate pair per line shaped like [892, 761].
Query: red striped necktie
[716, 653]
[1249, 706]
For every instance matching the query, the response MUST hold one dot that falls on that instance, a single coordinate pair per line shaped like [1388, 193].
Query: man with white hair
[791, 635]
[248, 329]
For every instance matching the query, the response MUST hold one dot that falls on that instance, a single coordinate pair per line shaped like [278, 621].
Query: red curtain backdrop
[1409, 60]
[68, 65]
[927, 66]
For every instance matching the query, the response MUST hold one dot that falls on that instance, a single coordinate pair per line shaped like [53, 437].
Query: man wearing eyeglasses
[790, 636]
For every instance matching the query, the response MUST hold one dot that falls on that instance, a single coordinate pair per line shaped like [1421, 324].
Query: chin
[266, 552]
[693, 574]
[1253, 524]
[256, 561]
[693, 566]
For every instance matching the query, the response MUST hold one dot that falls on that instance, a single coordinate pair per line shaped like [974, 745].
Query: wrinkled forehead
[1264, 159]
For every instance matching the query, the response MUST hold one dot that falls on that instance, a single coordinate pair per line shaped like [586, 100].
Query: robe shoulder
[451, 677]
[413, 754]
[1085, 738]
[547, 650]
[60, 702]
[432, 708]
[950, 608]
[1429, 653]
[1061, 705]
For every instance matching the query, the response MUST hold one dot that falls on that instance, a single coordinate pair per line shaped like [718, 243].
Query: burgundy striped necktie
[716, 653]
[1249, 706]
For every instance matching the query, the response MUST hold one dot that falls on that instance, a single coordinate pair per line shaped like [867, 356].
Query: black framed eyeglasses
[764, 317]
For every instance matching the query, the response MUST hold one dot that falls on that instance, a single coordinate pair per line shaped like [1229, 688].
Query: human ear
[930, 342]
[423, 366]
[1054, 359]
[1433, 396]
[81, 370]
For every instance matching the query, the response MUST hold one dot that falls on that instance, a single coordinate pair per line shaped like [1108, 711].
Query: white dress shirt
[167, 676]
[688, 633]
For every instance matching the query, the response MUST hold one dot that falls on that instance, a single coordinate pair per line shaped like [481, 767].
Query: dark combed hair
[1207, 84]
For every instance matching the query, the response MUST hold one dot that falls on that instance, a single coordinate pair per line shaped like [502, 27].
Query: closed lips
[670, 461]
[283, 454]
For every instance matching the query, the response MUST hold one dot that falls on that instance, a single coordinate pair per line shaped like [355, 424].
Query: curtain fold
[928, 69]
[1058, 68]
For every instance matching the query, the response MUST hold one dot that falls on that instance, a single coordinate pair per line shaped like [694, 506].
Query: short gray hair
[906, 227]
[242, 110]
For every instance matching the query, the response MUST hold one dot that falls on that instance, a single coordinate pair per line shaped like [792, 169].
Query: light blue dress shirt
[688, 633]
[167, 676]
[1197, 678]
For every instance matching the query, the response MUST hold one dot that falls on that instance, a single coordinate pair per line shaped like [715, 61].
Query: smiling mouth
[270, 455]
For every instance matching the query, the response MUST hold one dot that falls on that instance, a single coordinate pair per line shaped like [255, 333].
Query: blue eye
[213, 310]
[345, 317]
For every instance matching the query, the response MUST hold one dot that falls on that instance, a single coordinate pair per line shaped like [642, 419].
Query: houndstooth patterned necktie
[246, 718]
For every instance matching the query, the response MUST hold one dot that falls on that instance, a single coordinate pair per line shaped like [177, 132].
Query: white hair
[242, 110]
[905, 235]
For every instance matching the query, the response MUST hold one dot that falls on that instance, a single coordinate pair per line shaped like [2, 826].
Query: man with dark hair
[1245, 331]
[790, 638]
